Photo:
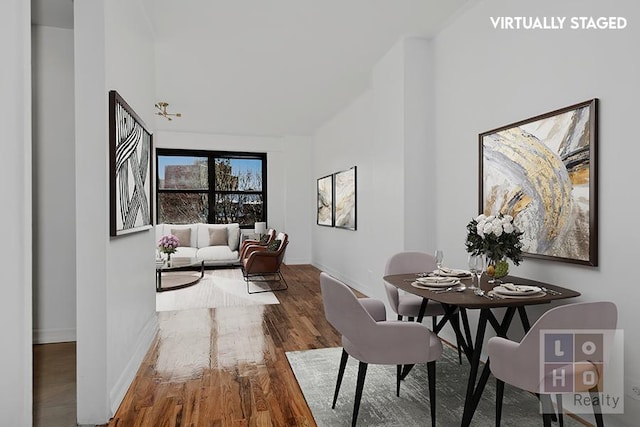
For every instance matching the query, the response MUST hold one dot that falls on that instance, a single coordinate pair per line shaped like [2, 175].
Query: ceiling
[275, 67]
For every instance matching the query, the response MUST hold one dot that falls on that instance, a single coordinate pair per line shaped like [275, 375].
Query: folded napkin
[452, 272]
[435, 279]
[516, 288]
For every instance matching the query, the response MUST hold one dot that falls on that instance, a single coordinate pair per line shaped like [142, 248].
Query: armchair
[409, 305]
[262, 263]
[518, 364]
[369, 338]
[270, 237]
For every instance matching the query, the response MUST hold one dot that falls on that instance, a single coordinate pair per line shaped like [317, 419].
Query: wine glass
[480, 266]
[439, 258]
[472, 269]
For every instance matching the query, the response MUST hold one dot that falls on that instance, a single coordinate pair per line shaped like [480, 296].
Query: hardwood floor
[227, 366]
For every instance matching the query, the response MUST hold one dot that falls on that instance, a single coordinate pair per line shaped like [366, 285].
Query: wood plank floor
[227, 366]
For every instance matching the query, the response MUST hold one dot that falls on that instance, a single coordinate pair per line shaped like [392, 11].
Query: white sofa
[207, 242]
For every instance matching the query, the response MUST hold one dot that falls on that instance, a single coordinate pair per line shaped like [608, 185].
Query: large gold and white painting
[542, 171]
[325, 201]
[345, 198]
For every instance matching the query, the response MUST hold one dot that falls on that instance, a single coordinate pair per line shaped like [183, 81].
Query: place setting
[434, 282]
[511, 290]
[442, 271]
[442, 279]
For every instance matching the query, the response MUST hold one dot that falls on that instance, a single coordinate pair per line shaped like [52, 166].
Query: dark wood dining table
[459, 302]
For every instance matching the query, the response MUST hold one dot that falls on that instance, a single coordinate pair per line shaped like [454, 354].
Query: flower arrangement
[168, 244]
[497, 237]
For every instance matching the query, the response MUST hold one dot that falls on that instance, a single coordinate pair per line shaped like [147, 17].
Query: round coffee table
[177, 273]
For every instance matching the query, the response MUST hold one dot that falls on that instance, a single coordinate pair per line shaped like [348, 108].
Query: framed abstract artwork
[345, 199]
[543, 172]
[325, 201]
[130, 191]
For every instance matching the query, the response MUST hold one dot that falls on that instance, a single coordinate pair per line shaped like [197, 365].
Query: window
[211, 187]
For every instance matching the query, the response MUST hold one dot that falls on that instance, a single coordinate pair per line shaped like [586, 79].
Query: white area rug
[218, 288]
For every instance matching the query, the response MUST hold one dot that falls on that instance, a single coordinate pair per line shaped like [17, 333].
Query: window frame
[211, 156]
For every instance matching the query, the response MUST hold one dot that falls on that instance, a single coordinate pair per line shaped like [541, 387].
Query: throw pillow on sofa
[218, 237]
[183, 235]
[274, 246]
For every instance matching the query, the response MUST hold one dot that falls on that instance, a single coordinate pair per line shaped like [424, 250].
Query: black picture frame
[130, 169]
[345, 199]
[325, 206]
[543, 171]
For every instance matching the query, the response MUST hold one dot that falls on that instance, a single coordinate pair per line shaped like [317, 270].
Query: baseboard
[353, 283]
[297, 261]
[50, 336]
[147, 335]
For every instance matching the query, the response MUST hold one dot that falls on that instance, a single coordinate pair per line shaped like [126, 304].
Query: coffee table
[174, 273]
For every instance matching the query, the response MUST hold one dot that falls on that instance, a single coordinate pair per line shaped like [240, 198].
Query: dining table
[456, 303]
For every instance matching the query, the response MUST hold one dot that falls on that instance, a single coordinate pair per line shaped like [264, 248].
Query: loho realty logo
[580, 363]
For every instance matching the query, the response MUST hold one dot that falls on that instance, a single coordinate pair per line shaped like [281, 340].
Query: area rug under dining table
[316, 372]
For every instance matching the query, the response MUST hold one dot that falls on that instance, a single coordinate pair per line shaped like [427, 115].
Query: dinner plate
[516, 290]
[434, 285]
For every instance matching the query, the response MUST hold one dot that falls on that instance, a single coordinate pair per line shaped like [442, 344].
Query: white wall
[390, 148]
[116, 318]
[54, 290]
[15, 174]
[486, 78]
[298, 200]
[289, 202]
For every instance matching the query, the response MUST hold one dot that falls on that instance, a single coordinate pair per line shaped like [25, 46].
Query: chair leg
[281, 280]
[547, 410]
[431, 377]
[597, 410]
[343, 364]
[400, 317]
[398, 377]
[560, 410]
[405, 371]
[362, 372]
[499, 398]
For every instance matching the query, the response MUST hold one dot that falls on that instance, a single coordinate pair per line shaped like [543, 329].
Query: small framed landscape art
[345, 199]
[130, 192]
[543, 172]
[325, 201]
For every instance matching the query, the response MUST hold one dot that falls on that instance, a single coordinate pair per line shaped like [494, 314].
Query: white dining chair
[408, 305]
[368, 337]
[518, 364]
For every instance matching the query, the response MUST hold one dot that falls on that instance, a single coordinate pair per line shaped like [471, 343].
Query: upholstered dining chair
[262, 264]
[369, 338]
[518, 364]
[408, 305]
[267, 238]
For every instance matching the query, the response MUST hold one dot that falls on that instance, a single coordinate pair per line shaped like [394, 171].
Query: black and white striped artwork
[130, 156]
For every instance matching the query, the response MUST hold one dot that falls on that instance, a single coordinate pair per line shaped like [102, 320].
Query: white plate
[434, 285]
[520, 290]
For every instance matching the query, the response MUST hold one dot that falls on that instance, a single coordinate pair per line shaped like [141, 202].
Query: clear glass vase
[496, 269]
